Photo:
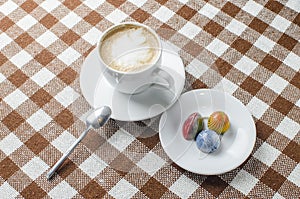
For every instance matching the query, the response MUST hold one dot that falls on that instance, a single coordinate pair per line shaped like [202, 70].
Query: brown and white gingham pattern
[249, 49]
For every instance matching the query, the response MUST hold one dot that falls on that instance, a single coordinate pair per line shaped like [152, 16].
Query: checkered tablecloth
[251, 48]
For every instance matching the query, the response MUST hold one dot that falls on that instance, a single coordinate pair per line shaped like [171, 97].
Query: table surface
[251, 48]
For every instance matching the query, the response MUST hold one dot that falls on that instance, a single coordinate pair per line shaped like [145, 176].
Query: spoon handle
[66, 154]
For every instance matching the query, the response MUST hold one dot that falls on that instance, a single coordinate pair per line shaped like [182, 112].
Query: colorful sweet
[208, 141]
[218, 121]
[192, 126]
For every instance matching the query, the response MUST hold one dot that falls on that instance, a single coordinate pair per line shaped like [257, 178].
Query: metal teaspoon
[95, 120]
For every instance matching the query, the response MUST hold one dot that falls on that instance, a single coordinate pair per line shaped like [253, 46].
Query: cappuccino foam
[130, 48]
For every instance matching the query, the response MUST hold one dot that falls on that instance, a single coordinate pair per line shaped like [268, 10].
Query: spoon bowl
[98, 117]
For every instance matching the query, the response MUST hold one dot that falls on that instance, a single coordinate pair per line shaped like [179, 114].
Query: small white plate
[150, 103]
[236, 144]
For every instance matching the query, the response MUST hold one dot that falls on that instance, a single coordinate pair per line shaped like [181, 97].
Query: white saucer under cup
[147, 104]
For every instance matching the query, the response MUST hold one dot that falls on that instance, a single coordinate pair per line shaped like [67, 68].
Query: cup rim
[123, 24]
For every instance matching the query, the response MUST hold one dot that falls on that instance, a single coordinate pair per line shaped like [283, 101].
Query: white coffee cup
[131, 56]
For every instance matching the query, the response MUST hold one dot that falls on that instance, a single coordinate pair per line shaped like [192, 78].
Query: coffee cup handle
[163, 78]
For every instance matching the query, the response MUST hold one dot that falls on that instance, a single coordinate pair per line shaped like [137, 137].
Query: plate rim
[236, 101]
